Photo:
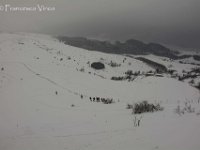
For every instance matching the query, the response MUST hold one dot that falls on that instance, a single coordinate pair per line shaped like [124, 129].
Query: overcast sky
[171, 22]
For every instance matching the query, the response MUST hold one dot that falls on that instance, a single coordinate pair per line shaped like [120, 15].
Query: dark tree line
[130, 46]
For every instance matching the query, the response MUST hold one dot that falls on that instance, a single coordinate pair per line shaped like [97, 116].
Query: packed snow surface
[45, 90]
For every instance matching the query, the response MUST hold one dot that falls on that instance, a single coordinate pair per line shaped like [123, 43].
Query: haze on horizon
[170, 22]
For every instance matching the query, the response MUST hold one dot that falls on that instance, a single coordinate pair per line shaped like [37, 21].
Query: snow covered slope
[45, 90]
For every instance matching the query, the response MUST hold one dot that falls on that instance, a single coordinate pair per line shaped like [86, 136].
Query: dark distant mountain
[130, 46]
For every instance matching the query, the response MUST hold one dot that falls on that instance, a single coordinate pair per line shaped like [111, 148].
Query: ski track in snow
[49, 80]
[95, 133]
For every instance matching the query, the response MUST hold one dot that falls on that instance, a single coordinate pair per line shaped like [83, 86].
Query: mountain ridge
[130, 46]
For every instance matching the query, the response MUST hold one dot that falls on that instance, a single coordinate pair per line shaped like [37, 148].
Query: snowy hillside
[47, 90]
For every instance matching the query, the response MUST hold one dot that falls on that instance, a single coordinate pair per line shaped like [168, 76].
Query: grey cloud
[172, 22]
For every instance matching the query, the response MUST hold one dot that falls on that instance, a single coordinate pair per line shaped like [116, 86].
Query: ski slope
[44, 100]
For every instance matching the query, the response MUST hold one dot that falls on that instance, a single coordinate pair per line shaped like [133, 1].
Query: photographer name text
[36, 8]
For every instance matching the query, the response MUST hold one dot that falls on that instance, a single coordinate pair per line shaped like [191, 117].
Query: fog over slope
[171, 22]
